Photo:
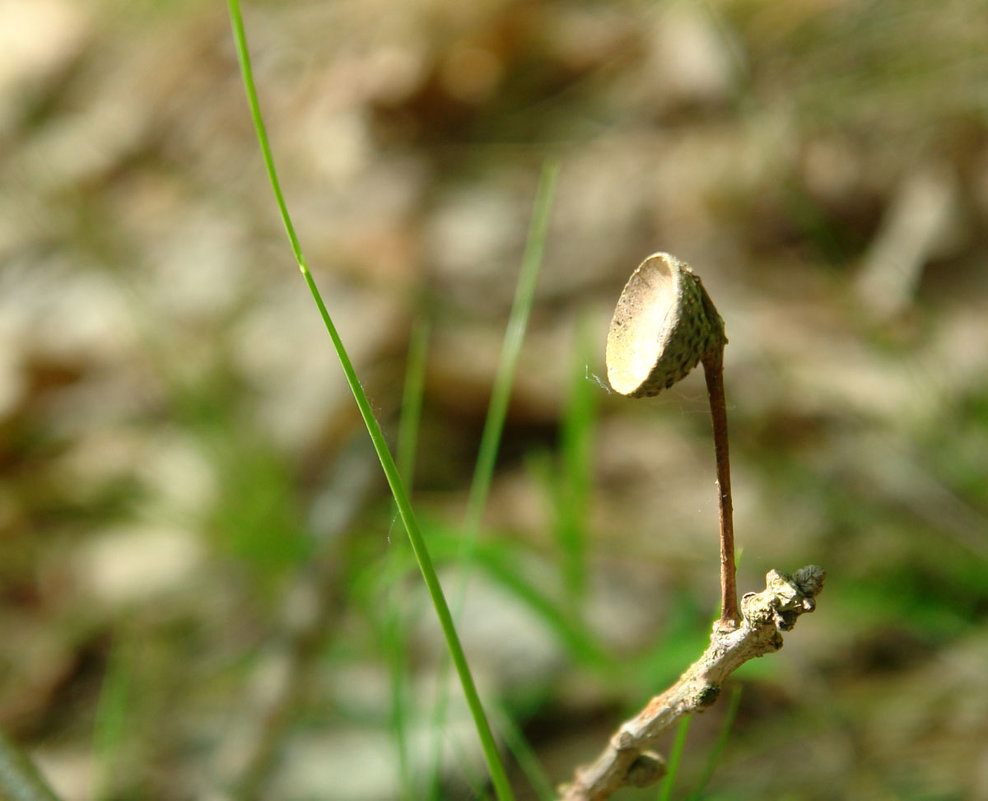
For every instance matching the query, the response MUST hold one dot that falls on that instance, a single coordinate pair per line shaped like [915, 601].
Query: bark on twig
[766, 614]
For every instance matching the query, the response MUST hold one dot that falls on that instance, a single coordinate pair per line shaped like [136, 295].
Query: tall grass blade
[719, 744]
[575, 485]
[394, 632]
[490, 439]
[514, 336]
[675, 757]
[20, 780]
[524, 754]
[495, 767]
[110, 726]
[395, 647]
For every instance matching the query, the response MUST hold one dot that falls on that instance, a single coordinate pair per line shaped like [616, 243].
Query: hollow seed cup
[663, 325]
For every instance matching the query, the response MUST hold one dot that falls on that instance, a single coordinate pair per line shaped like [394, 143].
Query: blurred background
[204, 591]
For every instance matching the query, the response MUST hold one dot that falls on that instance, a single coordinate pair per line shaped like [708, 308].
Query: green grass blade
[110, 726]
[675, 757]
[394, 634]
[500, 564]
[719, 744]
[524, 755]
[514, 336]
[573, 495]
[499, 561]
[495, 767]
[395, 646]
[497, 412]
[20, 780]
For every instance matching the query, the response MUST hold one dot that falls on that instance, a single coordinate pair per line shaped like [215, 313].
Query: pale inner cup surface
[645, 315]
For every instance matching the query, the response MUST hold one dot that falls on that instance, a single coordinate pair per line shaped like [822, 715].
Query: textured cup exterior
[681, 328]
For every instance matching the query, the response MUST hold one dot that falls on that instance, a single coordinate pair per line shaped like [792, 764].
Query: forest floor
[204, 592]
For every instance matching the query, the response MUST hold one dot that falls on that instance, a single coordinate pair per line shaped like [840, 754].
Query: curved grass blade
[524, 754]
[490, 439]
[675, 757]
[573, 486]
[720, 744]
[395, 640]
[514, 336]
[495, 767]
[20, 780]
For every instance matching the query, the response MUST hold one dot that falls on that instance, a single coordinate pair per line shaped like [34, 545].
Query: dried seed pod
[663, 325]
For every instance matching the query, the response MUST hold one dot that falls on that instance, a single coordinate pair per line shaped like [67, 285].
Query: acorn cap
[663, 325]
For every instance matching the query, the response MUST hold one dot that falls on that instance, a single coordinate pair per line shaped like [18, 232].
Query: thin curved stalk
[713, 372]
